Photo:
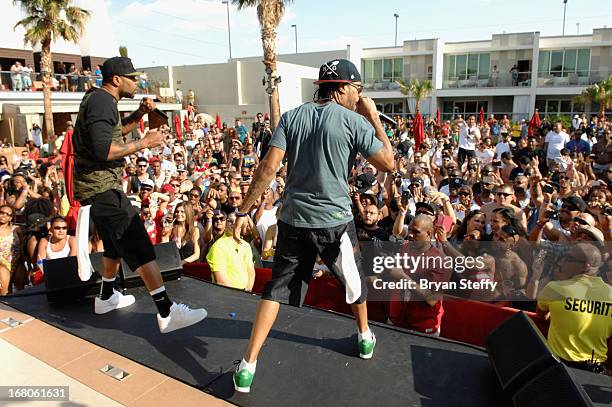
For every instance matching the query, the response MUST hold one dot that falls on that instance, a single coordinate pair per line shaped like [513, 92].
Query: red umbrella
[534, 123]
[185, 125]
[438, 117]
[267, 116]
[177, 127]
[417, 130]
[481, 116]
[141, 125]
[218, 121]
[67, 152]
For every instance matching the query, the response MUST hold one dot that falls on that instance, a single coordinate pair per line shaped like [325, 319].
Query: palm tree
[419, 90]
[597, 93]
[269, 14]
[46, 21]
[123, 51]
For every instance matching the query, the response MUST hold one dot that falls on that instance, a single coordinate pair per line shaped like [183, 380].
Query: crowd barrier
[464, 320]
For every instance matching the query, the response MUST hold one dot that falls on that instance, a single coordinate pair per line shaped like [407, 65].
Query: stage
[309, 359]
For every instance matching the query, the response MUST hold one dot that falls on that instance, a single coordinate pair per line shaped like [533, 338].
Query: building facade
[510, 74]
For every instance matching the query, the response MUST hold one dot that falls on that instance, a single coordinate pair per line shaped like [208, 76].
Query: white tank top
[64, 252]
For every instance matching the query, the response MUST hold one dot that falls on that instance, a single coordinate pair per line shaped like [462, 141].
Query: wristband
[240, 214]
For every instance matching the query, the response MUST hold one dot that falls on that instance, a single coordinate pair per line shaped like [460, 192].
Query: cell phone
[445, 222]
[548, 189]
[496, 163]
[405, 197]
[552, 214]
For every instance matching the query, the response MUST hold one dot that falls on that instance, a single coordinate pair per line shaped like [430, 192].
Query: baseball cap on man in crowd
[119, 66]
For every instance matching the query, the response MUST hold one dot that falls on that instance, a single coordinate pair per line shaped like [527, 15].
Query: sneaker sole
[184, 324]
[367, 356]
[105, 311]
[241, 389]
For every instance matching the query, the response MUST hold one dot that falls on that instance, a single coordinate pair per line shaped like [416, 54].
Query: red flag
[438, 118]
[534, 123]
[218, 121]
[481, 117]
[67, 152]
[417, 130]
[177, 127]
[141, 125]
[267, 116]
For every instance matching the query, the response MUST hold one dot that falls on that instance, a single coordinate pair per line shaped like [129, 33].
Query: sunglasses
[176, 185]
[218, 219]
[581, 221]
[60, 227]
[234, 198]
[143, 165]
[503, 194]
[464, 194]
[356, 86]
[194, 195]
[572, 259]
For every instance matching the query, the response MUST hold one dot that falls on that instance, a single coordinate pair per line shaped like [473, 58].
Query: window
[464, 108]
[564, 62]
[464, 66]
[368, 70]
[379, 70]
[555, 107]
[398, 67]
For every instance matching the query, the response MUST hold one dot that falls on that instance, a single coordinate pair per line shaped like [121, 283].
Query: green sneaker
[366, 348]
[242, 380]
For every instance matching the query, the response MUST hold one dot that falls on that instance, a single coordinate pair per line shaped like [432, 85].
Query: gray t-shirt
[321, 141]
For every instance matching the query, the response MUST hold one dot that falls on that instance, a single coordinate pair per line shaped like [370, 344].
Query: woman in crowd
[10, 252]
[185, 233]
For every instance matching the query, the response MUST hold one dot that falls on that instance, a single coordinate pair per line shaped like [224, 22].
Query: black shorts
[294, 259]
[121, 228]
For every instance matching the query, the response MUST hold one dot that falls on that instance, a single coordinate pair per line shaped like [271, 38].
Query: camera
[608, 211]
[549, 189]
[552, 215]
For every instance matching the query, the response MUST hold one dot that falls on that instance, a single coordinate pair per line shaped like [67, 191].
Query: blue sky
[177, 32]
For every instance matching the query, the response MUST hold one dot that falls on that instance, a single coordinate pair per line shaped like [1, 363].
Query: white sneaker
[180, 316]
[116, 301]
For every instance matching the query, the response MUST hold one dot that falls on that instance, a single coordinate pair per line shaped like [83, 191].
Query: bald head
[424, 222]
[590, 254]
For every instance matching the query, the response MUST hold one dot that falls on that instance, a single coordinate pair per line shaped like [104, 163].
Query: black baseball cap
[338, 70]
[364, 182]
[120, 66]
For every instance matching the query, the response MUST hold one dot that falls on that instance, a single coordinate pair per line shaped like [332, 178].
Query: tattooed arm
[153, 138]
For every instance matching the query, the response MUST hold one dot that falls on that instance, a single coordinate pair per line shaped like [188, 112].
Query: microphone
[384, 118]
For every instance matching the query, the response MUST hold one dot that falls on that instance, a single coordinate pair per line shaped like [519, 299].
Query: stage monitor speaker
[168, 260]
[62, 281]
[518, 351]
[554, 387]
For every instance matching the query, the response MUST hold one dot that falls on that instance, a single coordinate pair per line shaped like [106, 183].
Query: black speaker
[168, 259]
[554, 387]
[62, 281]
[518, 351]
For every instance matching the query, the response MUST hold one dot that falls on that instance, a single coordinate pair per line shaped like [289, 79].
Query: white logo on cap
[328, 70]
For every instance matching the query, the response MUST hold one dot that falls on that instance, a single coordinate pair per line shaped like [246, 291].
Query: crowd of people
[64, 78]
[525, 193]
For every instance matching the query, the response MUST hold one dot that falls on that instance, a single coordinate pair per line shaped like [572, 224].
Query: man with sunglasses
[504, 198]
[579, 305]
[320, 140]
[99, 150]
[58, 244]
